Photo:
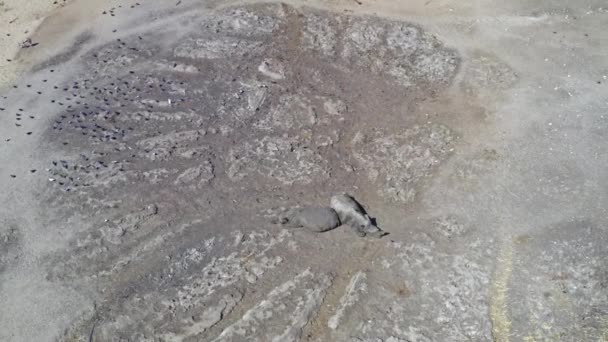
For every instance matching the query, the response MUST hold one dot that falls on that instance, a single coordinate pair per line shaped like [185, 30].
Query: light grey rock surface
[165, 137]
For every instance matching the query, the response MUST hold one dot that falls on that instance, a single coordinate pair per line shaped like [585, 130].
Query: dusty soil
[148, 146]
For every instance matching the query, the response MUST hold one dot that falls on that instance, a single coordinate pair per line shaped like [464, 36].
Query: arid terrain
[147, 146]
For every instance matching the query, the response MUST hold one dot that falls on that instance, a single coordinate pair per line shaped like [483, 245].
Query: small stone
[152, 209]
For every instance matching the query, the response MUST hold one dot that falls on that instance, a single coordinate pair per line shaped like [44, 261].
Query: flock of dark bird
[78, 99]
[90, 108]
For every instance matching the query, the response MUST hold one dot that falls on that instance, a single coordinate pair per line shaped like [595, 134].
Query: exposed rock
[355, 288]
[291, 112]
[449, 227]
[320, 34]
[214, 49]
[398, 162]
[452, 288]
[286, 159]
[208, 318]
[272, 69]
[171, 139]
[257, 99]
[208, 289]
[202, 173]
[290, 306]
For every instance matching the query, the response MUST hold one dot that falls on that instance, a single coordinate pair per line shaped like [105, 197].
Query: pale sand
[19, 20]
[53, 24]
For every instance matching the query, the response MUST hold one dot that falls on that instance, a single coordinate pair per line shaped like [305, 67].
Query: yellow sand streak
[499, 315]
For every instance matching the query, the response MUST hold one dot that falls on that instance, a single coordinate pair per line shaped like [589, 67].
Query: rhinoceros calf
[316, 219]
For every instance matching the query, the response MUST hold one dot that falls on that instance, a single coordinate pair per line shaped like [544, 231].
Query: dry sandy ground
[20, 19]
[146, 145]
